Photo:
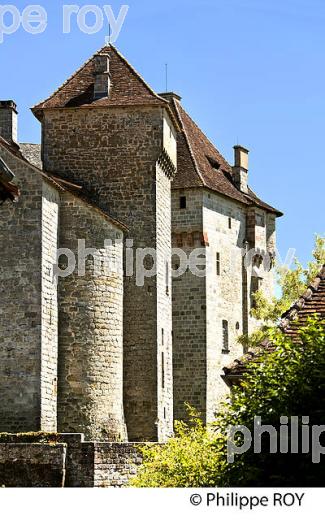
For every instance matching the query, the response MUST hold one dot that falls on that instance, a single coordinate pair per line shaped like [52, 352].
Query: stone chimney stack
[9, 121]
[240, 169]
[169, 96]
[102, 76]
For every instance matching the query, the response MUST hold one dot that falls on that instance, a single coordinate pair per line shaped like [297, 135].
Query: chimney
[9, 121]
[102, 76]
[169, 96]
[240, 169]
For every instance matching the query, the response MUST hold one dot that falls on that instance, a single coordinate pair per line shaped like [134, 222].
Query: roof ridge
[102, 49]
[188, 143]
[137, 74]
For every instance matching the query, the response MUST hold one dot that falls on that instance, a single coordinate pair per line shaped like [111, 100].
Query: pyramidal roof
[200, 164]
[127, 87]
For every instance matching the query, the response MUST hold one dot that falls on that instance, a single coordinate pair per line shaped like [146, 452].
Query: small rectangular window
[229, 222]
[182, 202]
[218, 266]
[256, 285]
[259, 219]
[163, 370]
[225, 337]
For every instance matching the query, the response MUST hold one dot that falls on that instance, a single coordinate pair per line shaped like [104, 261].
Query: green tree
[292, 284]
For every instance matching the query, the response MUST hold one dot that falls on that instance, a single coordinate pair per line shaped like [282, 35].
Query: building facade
[115, 354]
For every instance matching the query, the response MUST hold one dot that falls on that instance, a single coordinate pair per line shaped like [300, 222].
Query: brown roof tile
[197, 156]
[127, 87]
[201, 164]
[311, 303]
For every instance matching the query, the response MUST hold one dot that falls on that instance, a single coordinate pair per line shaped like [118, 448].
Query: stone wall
[224, 224]
[210, 313]
[8, 121]
[32, 465]
[164, 306]
[115, 464]
[20, 302]
[113, 152]
[65, 460]
[90, 379]
[189, 308]
[49, 361]
[262, 237]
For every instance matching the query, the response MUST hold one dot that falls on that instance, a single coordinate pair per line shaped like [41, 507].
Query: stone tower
[107, 130]
[216, 215]
[88, 327]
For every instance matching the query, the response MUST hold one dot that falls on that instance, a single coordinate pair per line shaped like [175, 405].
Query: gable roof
[200, 164]
[310, 303]
[127, 87]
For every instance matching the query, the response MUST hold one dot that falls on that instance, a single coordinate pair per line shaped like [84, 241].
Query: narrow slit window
[229, 222]
[162, 370]
[182, 202]
[218, 265]
[225, 337]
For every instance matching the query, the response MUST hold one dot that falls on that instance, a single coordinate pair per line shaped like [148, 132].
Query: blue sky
[249, 72]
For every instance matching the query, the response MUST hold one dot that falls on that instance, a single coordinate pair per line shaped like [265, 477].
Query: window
[182, 202]
[260, 219]
[167, 278]
[225, 337]
[218, 266]
[257, 260]
[229, 223]
[163, 370]
[256, 284]
[213, 162]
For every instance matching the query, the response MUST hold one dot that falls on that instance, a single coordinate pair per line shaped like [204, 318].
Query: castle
[99, 353]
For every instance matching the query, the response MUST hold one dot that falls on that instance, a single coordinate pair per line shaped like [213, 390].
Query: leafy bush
[290, 381]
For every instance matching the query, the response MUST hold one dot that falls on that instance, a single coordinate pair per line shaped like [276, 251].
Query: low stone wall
[36, 465]
[115, 464]
[65, 460]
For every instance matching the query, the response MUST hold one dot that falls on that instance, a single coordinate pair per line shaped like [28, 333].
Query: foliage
[185, 461]
[289, 381]
[292, 283]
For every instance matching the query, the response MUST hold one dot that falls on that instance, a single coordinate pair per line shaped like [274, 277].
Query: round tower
[90, 379]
